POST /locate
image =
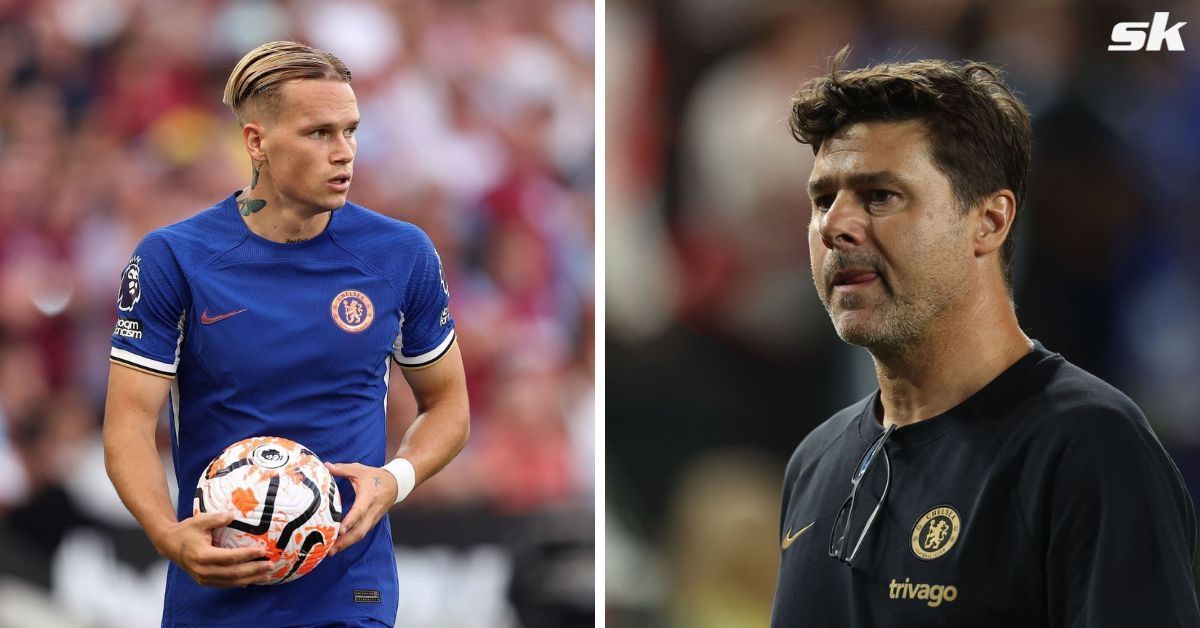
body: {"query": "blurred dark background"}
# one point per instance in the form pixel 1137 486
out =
pixel 719 356
pixel 478 125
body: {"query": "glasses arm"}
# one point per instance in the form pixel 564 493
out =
pixel 887 464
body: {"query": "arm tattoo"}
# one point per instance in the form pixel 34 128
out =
pixel 377 484
pixel 249 206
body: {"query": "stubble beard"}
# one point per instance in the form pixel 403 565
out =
pixel 893 322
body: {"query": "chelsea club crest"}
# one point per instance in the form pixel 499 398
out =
pixel 352 311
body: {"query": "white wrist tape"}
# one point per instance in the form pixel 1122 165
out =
pixel 406 477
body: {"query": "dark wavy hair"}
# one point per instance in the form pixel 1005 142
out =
pixel 978 129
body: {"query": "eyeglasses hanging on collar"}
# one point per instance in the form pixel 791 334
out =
pixel 839 539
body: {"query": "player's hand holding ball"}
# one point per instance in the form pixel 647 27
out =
pixel 375 491
pixel 189 543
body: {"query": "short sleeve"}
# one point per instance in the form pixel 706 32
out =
pixel 426 327
pixel 1122 533
pixel 151 306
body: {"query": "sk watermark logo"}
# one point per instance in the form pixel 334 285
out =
pixel 1131 36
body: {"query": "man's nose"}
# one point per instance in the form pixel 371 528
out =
pixel 343 152
pixel 844 224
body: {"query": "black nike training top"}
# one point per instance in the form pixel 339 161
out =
pixel 1045 499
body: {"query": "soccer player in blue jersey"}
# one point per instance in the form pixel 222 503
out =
pixel 278 311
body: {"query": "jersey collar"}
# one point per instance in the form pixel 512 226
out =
pixel 992 401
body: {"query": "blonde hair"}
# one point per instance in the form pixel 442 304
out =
pixel 253 86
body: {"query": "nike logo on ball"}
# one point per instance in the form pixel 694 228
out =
pixel 209 320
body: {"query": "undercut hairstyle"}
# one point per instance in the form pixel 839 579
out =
pixel 977 127
pixel 253 86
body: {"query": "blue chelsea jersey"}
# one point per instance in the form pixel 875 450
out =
pixel 293 340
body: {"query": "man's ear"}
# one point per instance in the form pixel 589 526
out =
pixel 996 213
pixel 252 137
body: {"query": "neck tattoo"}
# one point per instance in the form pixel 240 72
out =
pixel 294 240
pixel 247 206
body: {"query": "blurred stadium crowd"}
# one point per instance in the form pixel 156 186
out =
pixel 477 126
pixel 719 356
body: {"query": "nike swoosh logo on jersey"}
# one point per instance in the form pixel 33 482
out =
pixel 789 538
pixel 209 320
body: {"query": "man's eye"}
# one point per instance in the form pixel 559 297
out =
pixel 318 134
pixel 823 203
pixel 350 131
pixel 879 197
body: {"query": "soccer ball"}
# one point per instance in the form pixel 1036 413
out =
pixel 284 498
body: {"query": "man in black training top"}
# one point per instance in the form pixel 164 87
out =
pixel 988 482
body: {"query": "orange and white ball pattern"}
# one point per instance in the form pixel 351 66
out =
pixel 284 499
